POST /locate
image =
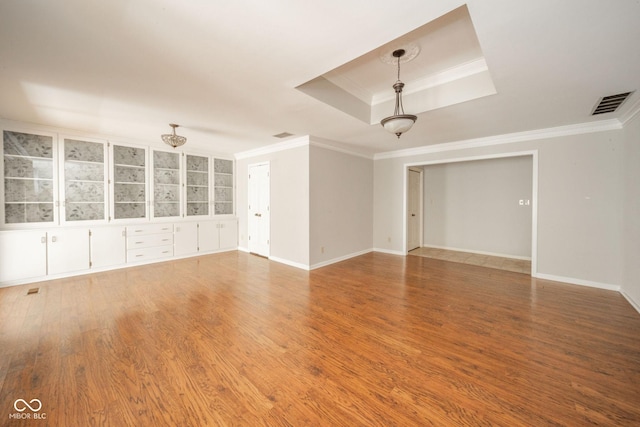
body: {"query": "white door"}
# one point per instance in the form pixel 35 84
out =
pixel 259 215
pixel 414 212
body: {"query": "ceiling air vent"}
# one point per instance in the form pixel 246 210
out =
pixel 609 104
pixel 283 135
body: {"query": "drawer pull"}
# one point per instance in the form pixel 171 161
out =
pixel 139 243
pixel 165 228
pixel 165 240
pixel 165 252
pixel 138 231
pixel 139 255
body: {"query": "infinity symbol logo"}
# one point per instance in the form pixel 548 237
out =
pixel 27 405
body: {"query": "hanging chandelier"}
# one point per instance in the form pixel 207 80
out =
pixel 400 122
pixel 173 139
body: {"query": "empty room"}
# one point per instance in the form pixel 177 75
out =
pixel 319 214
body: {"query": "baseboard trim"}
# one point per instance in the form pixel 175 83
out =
pixel 389 251
pixel 631 301
pixel 339 259
pixel 447 248
pixel 574 281
pixel 290 263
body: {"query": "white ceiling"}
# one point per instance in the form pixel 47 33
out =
pixel 227 72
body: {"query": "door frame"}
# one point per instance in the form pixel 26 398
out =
pixel 420 207
pixel 534 194
pixel 249 217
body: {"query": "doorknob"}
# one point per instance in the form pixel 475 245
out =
pixel 257 214
pixel 413 214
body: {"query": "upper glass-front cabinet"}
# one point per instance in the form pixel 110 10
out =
pixel 223 186
pixel 166 184
pixel 130 187
pixel 84 193
pixel 29 173
pixel 51 179
pixel 197 193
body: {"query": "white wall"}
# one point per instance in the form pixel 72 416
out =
pixel 474 206
pixel 289 203
pixel 341 205
pixel 579 211
pixel 631 197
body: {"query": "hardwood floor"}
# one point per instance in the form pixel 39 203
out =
pixel 378 340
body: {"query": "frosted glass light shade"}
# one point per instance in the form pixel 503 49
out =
pixel 399 124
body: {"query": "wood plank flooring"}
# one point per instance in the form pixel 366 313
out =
pixel 378 340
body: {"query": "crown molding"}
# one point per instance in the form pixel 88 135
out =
pixel 274 148
pixel 532 135
pixel 632 113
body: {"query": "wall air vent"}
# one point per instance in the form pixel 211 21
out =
pixel 283 135
pixel 609 104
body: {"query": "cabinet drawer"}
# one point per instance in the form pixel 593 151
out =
pixel 149 240
pixel 144 254
pixel 143 230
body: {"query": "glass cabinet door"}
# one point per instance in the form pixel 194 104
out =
pixel 197 185
pixel 29 184
pixel 129 182
pixel 166 184
pixel 84 184
pixel 223 186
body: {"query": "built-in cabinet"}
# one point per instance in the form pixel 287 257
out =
pixel 149 241
pixel 223 186
pixel 72 204
pixel 166 184
pixel 51 179
pixel 84 181
pixel 205 236
pixel 37 253
pixel 129 197
pixel 29 172
pixel 197 177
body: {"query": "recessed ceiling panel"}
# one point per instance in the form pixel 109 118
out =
pixel 444 65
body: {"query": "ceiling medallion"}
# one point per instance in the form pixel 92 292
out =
pixel 399 122
pixel 173 139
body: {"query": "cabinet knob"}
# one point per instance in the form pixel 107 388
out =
pixel 54 239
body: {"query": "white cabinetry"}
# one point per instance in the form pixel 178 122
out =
pixel 23 254
pixel 29 178
pixel 148 242
pixel 37 253
pixel 130 184
pixel 108 246
pixel 185 238
pixel 166 184
pixel 214 235
pixel 67 250
pixel 83 182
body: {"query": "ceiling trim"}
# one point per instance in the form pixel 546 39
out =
pixel 631 113
pixel 510 138
pixel 300 141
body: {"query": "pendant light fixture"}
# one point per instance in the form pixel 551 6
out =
pixel 173 139
pixel 400 122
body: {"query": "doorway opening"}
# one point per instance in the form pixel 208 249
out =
pixel 477 210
